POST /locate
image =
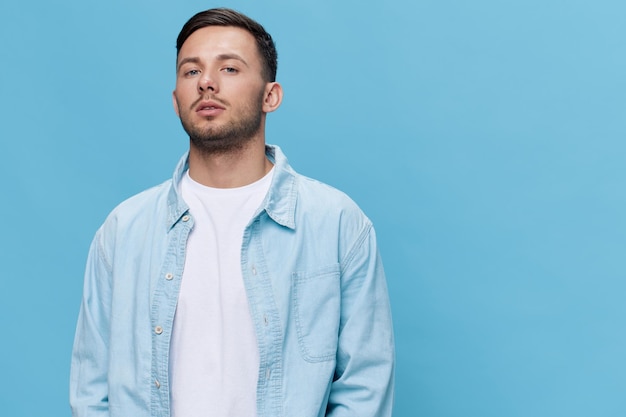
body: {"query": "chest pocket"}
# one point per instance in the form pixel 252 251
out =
pixel 317 306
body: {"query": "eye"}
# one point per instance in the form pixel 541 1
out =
pixel 230 70
pixel 192 73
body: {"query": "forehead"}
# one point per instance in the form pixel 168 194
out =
pixel 212 41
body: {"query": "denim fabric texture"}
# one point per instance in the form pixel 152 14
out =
pixel 315 285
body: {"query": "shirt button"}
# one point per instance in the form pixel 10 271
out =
pixel 169 276
pixel 265 319
pixel 158 329
pixel 186 218
pixel 267 373
pixel 157 383
pixel 253 270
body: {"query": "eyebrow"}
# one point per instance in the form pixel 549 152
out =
pixel 220 57
pixel 225 57
pixel 193 60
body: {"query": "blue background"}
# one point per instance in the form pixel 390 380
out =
pixel 485 139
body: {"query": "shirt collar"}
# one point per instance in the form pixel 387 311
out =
pixel 176 206
pixel 280 202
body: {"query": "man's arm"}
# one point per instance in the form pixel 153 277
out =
pixel 88 374
pixel 363 384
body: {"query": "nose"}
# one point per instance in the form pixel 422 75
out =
pixel 206 83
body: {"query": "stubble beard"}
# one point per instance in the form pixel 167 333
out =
pixel 229 138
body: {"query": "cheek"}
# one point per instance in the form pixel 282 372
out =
pixel 175 104
pixel 182 100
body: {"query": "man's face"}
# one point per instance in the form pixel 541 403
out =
pixel 219 88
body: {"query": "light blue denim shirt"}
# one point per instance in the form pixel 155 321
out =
pixel 317 295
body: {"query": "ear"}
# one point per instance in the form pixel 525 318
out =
pixel 273 97
pixel 175 103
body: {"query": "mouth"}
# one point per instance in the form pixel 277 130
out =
pixel 208 106
pixel 209 109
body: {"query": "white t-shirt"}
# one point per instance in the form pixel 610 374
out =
pixel 214 359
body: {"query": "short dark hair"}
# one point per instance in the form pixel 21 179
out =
pixel 228 17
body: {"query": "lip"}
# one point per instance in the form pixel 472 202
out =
pixel 209 108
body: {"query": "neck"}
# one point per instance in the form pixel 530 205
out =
pixel 240 167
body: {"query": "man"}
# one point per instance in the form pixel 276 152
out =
pixel 238 287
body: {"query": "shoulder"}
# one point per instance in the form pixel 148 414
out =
pixel 139 211
pixel 327 204
pixel 311 190
pixel 311 198
pixel 142 203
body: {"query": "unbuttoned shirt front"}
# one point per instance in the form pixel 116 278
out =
pixel 316 291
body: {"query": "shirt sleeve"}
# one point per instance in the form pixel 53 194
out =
pixel 88 373
pixel 364 378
